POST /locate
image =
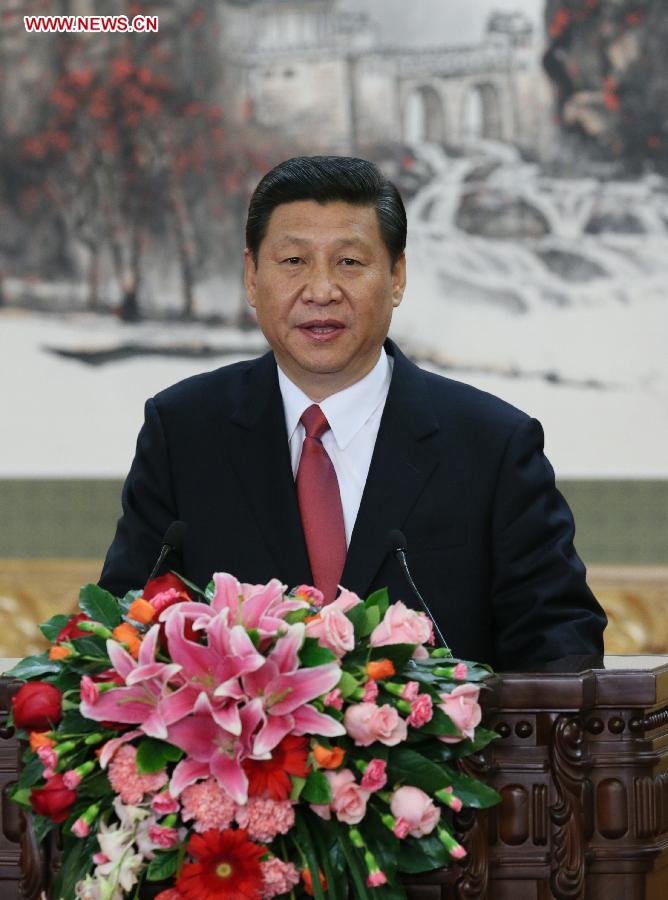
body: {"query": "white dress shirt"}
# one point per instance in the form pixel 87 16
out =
pixel 354 418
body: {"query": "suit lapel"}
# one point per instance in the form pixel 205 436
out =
pixel 402 461
pixel 260 454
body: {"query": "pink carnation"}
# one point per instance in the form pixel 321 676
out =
pixel 165 599
pixel 422 711
pixel 48 757
pixel 163 836
pixel 163 804
pixel 279 877
pixel 410 691
pixel 90 692
pixel 334 698
pixel 370 691
pixel 375 776
pixel 376 879
pixel 81 828
pixel 71 779
pixel 264 818
pixel 127 782
pixel 209 805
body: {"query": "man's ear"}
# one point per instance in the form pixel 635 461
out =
pixel 250 276
pixel 398 280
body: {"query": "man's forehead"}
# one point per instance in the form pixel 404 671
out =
pixel 307 221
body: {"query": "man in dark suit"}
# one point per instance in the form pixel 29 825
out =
pixel 460 472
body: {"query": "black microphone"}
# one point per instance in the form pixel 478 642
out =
pixel 397 541
pixel 173 540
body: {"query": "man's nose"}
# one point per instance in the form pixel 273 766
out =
pixel 321 286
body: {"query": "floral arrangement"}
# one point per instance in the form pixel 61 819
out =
pixel 245 742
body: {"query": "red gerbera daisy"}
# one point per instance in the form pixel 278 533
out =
pixel 272 776
pixel 228 865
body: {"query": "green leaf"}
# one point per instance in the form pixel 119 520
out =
pixel 358 616
pixel 100 605
pixel 423 855
pixel 379 599
pixel 305 845
pixel 326 842
pixel 74 723
pixel 163 865
pixel 441 725
pixel 312 654
pixel 92 645
pixel 41 826
pixel 153 755
pixel 34 666
pixel 54 626
pixel 77 862
pixel 31 773
pixel 317 789
pixel 471 791
pixel 482 738
pixel 371 620
pixel 348 684
pixel 357 870
pixel 409 767
pixel 20 796
pixel 297 787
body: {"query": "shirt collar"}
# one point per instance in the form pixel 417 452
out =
pixel 347 410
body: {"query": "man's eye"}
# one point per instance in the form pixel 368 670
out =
pixel 349 261
pixel 293 260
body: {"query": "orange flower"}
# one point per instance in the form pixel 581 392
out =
pixel 59 652
pixel 308 881
pixel 327 758
pixel 381 668
pixel 129 635
pixel 40 739
pixel 311 618
pixel 141 611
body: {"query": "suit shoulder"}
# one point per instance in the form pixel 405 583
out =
pixel 204 389
pixel 471 404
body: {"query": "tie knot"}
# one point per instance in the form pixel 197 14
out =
pixel 315 422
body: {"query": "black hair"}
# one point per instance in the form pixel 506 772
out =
pixel 327 179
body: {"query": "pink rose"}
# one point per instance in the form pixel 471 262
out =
pixel 366 723
pixel 345 601
pixel 401 625
pixel 463 708
pixel 375 777
pixel 415 808
pixel 333 629
pixel 421 711
pixel 348 798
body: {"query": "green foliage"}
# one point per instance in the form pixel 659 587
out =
pixel 100 605
pixel 348 684
pixel 305 846
pixel 312 654
pixel 153 755
pixel 31 773
pixel 163 865
pixel 471 791
pixel 422 855
pixel 407 766
pixel 400 654
pixel 379 599
pixel 77 862
pixel 54 626
pixel 316 789
pixel 34 667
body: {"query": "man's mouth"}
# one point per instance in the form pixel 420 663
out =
pixel 322 329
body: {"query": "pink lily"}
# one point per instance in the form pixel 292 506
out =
pixel 285 690
pixel 210 750
pixel 147 699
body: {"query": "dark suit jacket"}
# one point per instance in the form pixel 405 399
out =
pixel 459 471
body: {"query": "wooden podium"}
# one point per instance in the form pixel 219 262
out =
pixel 582 768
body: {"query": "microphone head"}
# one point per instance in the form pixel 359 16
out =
pixel 397 540
pixel 175 534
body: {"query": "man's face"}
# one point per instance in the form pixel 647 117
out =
pixel 324 290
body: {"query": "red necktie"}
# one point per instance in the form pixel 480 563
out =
pixel 320 506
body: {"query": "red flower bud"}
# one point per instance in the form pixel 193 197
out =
pixel 164 583
pixel 70 631
pixel 37 706
pixel 53 800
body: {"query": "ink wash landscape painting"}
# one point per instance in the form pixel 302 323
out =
pixel 529 140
